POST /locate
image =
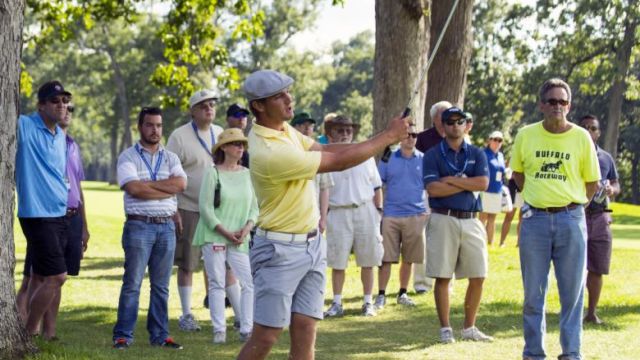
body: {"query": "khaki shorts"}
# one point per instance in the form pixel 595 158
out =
pixel 491 202
pixel 187 256
pixel 456 246
pixel 357 229
pixel 403 235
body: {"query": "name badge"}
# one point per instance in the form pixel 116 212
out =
pixel 217 248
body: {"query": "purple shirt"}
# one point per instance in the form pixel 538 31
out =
pixel 75 174
pixel 428 139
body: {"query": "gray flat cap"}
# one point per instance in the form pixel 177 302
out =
pixel 264 83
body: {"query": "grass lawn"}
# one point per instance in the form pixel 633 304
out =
pixel 89 303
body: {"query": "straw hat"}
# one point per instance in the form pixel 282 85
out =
pixel 229 136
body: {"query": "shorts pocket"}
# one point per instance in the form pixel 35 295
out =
pixel 260 254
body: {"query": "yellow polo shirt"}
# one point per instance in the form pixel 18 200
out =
pixel 282 172
pixel 555 166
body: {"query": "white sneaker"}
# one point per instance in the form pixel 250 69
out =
pixel 405 300
pixel 380 302
pixel 474 334
pixel 334 310
pixel 368 310
pixel 446 335
pixel 188 323
pixel 219 337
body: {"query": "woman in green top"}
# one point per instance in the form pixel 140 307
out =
pixel 228 211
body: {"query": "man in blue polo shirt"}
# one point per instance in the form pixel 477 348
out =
pixel 42 190
pixel 454 172
pixel 404 216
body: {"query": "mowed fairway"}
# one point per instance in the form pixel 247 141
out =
pixel 89 305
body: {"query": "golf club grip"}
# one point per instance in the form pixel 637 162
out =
pixel 406 112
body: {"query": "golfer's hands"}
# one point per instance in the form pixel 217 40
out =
pixel 398 127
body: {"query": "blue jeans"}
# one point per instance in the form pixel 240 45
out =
pixel 153 245
pixel 559 237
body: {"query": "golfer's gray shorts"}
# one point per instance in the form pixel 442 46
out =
pixel 288 278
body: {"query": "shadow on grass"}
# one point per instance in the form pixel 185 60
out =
pixel 100 187
pixel 626 219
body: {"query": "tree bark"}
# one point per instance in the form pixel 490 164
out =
pixel 623 57
pixel 635 187
pixel 402 45
pixel 14 342
pixel 113 149
pixel 447 78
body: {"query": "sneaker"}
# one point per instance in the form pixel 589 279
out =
pixel 420 291
pixel 219 337
pixel 120 344
pixel 236 325
pixel 205 302
pixel 334 310
pixel 405 300
pixel 244 337
pixel 446 335
pixel 188 323
pixel 380 302
pixel 474 334
pixel 368 310
pixel 170 344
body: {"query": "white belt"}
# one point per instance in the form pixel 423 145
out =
pixel 287 237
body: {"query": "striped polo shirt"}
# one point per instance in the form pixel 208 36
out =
pixel 132 167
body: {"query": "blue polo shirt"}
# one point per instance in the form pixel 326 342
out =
pixel 403 180
pixel 40 169
pixel 441 161
pixel 496 170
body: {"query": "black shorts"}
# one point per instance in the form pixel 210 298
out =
pixel 46 242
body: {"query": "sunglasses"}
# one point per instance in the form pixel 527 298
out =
pixel 70 109
pixel 496 140
pixel 413 135
pixel 554 102
pixel 592 128
pixel 207 104
pixel 456 122
pixel 237 143
pixel 345 131
pixel 57 100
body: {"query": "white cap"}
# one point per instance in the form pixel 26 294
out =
pixel 496 135
pixel 202 95
pixel 264 83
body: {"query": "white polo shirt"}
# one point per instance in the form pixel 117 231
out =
pixel 355 186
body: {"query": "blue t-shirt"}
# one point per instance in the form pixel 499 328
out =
pixel 403 180
pixel 441 161
pixel 496 170
pixel 40 169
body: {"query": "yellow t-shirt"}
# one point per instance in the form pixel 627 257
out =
pixel 282 170
pixel 555 166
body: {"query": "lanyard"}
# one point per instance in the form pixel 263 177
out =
pixel 204 145
pixel 154 173
pixel 452 166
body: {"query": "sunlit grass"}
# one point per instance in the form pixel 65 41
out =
pixel 89 305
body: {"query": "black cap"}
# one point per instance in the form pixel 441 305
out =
pixel 447 114
pixel 51 89
pixel 236 110
pixel 301 118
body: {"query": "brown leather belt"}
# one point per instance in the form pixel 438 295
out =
pixel 557 209
pixel 149 219
pixel 455 213
pixel 72 211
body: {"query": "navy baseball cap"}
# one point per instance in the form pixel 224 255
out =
pixel 237 111
pixel 450 112
pixel 51 89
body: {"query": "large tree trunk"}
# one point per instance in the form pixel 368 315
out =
pixel 635 186
pixel 623 56
pixel 402 44
pixel 448 73
pixel 113 136
pixel 14 342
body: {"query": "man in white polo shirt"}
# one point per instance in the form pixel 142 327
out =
pixel 355 212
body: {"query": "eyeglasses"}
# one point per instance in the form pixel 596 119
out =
pixel 207 104
pixel 554 102
pixel 413 135
pixel 345 131
pixel 592 128
pixel 237 143
pixel 456 122
pixel 498 140
pixel 57 100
